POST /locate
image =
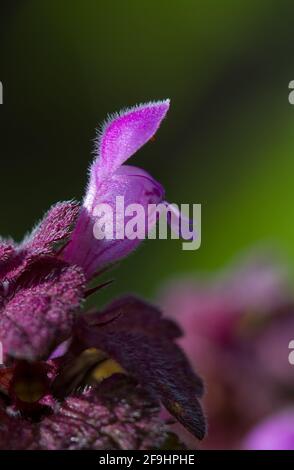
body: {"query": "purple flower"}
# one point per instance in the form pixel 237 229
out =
pixel 274 433
pixel 237 329
pixel 94 380
pixel 122 135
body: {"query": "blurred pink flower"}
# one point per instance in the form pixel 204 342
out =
pixel 237 330
pixel 274 433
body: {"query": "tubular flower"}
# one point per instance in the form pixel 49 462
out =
pixel 122 135
pixel 92 380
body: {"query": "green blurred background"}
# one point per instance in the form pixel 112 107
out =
pixel 228 142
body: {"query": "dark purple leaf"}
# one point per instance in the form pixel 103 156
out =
pixel 142 342
pixel 55 227
pixel 40 312
pixel 116 415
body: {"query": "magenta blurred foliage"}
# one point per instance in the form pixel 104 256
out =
pixel 237 329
